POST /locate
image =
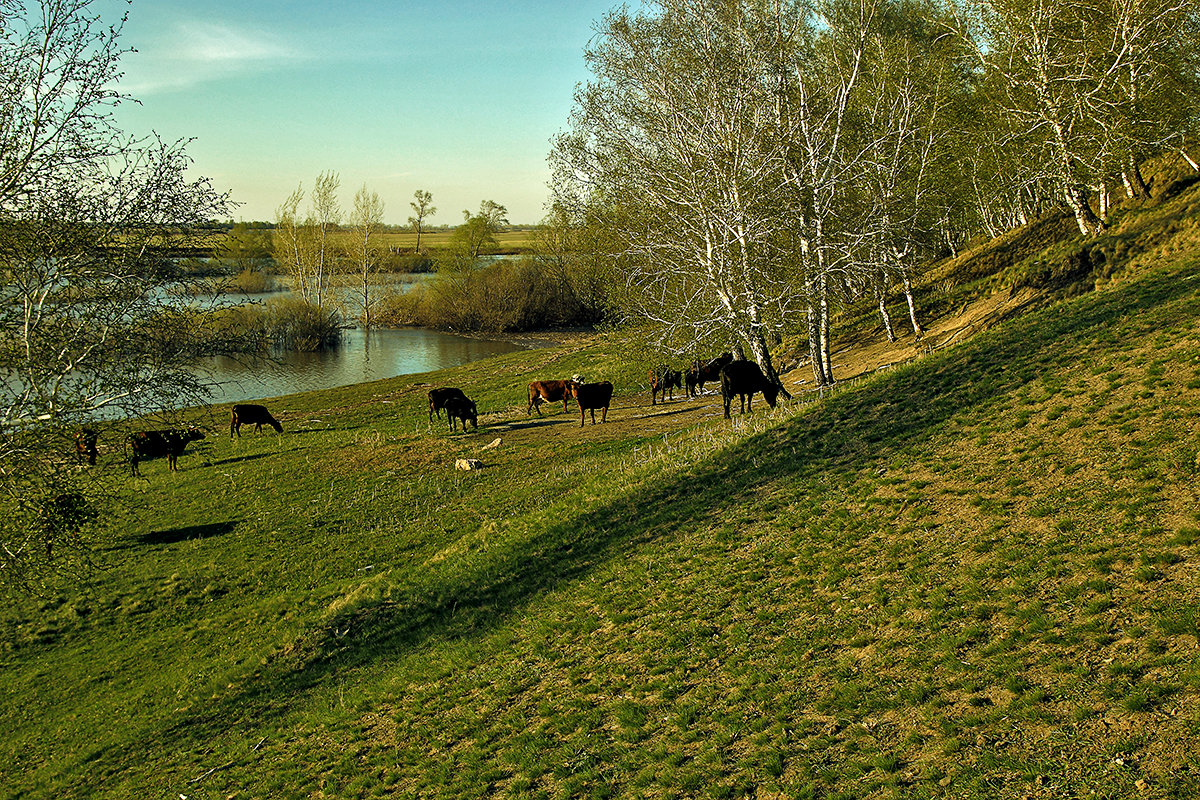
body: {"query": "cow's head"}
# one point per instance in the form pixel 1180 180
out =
pixel 192 433
pixel 770 393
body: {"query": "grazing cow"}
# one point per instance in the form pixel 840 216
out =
pixel 744 378
pixel 548 392
pixel 591 396
pixel 663 380
pixel 250 414
pixel 439 398
pixel 156 444
pixel 85 445
pixel 699 374
pixel 462 409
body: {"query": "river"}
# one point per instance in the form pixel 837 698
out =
pixel 383 353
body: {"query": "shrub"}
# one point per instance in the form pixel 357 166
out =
pixel 400 308
pixel 505 295
pixel 405 262
pixel 252 281
pixel 297 324
pixel 245 328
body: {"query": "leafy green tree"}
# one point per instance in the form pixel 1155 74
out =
pixel 90 324
pixel 574 254
pixel 246 248
pixel 476 234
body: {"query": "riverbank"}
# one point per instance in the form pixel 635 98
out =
pixel 534 340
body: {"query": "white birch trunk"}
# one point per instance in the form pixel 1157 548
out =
pixel 918 331
pixel 881 299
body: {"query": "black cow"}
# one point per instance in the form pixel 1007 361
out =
pixel 699 374
pixel 250 414
pixel 744 378
pixel 438 398
pixel 145 445
pixel 462 409
pixel 85 445
pixel 591 396
pixel 663 380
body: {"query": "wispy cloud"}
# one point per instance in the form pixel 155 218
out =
pixel 191 53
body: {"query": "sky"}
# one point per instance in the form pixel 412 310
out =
pixel 460 99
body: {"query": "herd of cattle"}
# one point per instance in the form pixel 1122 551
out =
pixel 738 378
pixel 170 444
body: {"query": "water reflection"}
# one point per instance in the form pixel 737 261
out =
pixel 384 353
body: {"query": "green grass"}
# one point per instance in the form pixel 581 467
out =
pixel 970 576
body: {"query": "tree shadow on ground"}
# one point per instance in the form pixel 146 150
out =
pixel 239 459
pixel 537 422
pixel 175 535
pixel 859 429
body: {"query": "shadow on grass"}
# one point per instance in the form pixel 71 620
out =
pixel 536 422
pixel 653 413
pixel 175 535
pixel 883 419
pixel 239 459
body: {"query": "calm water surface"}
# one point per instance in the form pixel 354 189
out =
pixel 384 353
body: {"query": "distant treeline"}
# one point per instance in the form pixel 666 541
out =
pixel 225 226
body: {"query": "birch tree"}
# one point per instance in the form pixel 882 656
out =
pixel 820 62
pixel 1152 51
pixel 674 143
pixel 1095 86
pixel 306 245
pixel 291 243
pixel 367 219
pixel 914 83
pixel 1050 86
pixel 325 216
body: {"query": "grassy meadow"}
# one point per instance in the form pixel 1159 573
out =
pixel 509 241
pixel 970 575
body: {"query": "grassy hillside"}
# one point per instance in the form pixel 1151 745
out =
pixel 971 575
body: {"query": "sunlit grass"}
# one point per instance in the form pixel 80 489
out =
pixel 969 576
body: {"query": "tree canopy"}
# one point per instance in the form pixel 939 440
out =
pixel 761 162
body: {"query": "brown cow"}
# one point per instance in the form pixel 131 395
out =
pixel 548 392
pixel 591 396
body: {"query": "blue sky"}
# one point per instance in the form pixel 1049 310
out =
pixel 458 98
